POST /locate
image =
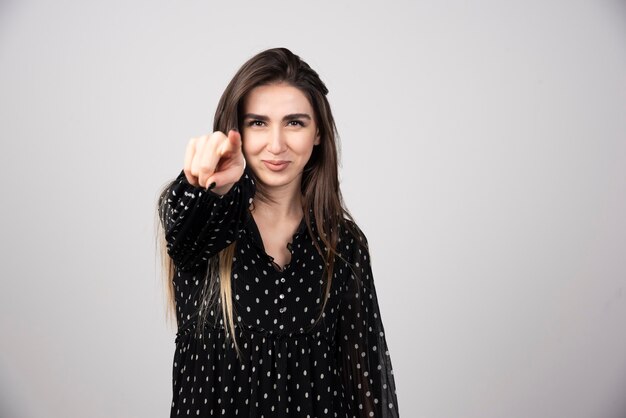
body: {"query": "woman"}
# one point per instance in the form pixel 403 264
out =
pixel 269 275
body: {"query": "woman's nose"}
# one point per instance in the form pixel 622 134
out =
pixel 276 143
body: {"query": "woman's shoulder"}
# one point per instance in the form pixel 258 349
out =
pixel 352 237
pixel 349 228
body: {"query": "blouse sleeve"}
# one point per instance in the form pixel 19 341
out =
pixel 199 223
pixel 364 361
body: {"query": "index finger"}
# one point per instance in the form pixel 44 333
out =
pixel 232 144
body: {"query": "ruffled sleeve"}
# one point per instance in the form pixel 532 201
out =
pixel 199 223
pixel 364 361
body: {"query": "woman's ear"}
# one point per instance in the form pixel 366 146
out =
pixel 317 138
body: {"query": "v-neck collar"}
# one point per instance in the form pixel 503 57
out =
pixel 253 230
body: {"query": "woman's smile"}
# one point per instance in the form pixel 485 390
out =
pixel 276 165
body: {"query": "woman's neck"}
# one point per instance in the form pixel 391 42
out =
pixel 288 204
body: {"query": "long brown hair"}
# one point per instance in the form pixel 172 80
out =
pixel 320 179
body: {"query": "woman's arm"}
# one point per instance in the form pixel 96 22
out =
pixel 198 221
pixel 364 360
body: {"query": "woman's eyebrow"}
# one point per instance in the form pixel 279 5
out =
pixel 286 117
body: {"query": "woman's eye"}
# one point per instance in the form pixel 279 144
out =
pixel 261 123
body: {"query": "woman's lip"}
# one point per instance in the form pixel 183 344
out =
pixel 277 162
pixel 276 166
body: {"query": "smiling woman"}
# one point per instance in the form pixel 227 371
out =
pixel 279 137
pixel 268 274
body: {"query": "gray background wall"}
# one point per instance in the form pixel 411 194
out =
pixel 484 156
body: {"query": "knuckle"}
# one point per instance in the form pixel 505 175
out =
pixel 193 141
pixel 218 136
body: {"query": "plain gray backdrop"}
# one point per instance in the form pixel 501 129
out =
pixel 483 154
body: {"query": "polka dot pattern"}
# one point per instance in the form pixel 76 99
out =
pixel 290 365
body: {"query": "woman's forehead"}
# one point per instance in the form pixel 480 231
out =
pixel 276 100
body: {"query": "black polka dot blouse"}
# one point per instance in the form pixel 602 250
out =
pixel 290 364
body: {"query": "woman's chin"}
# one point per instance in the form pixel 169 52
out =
pixel 276 179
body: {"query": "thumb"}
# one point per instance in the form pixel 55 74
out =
pixel 222 178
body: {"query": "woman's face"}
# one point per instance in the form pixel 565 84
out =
pixel 279 133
